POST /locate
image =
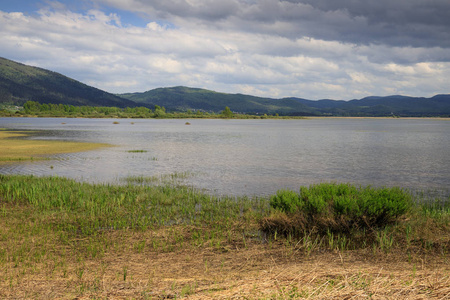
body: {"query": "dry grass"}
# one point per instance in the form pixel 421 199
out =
pixel 14 148
pixel 251 270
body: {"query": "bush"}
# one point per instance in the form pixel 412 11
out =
pixel 340 207
pixel 286 201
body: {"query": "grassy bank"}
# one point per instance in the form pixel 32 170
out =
pixel 13 147
pixel 64 239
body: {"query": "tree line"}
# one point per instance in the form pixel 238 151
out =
pixel 34 108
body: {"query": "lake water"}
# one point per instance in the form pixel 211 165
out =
pixel 250 157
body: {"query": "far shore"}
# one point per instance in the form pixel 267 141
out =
pixel 400 118
pixel 236 117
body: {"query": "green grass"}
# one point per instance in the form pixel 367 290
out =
pixel 327 215
pixel 87 209
pixel 81 215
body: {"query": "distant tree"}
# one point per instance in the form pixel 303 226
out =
pixel 159 111
pixel 227 113
pixel 31 106
pixel 45 107
pixel 143 111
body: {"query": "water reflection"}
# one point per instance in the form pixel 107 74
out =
pixel 238 157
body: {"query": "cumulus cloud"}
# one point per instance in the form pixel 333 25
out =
pixel 340 49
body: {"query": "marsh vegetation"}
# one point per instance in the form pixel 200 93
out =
pixel 13 147
pixel 153 241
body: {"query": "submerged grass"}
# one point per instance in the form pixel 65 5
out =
pixel 99 240
pixel 173 179
pixel 14 148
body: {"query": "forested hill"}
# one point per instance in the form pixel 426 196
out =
pixel 183 98
pixel 20 83
pixel 438 105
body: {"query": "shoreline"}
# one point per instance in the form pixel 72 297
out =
pixel 399 118
pixel 236 117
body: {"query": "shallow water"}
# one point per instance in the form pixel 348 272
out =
pixel 250 157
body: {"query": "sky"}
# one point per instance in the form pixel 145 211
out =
pixel 313 49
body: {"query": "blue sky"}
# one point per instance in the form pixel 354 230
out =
pixel 315 49
pixel 30 7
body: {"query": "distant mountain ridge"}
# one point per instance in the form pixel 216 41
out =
pixel 183 98
pixel 438 105
pixel 20 83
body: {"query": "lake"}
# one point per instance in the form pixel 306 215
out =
pixel 249 157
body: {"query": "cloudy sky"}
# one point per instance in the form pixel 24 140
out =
pixel 315 49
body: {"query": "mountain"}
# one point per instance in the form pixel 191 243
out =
pixel 397 105
pixel 183 98
pixel 20 83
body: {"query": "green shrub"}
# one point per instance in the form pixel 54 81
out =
pixel 341 207
pixel 286 201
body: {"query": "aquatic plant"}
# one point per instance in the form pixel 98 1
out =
pixel 14 148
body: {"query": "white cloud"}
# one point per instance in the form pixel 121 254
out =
pixel 266 48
